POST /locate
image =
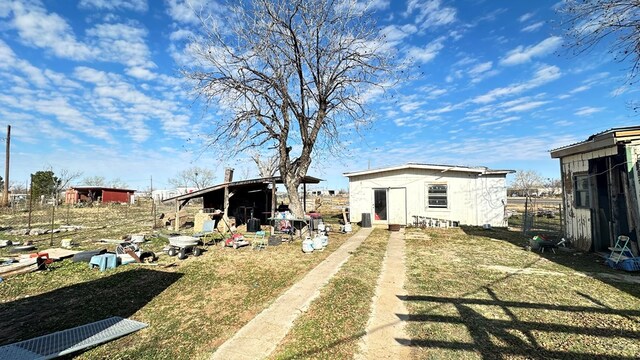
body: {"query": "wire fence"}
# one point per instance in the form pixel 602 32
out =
pixel 47 215
pixel 538 217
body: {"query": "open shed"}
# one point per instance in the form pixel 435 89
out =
pixel 600 187
pixel 456 194
pixel 78 194
pixel 240 199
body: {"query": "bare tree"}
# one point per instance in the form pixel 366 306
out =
pixel 193 177
pixel 552 186
pixel 94 181
pixel 67 177
pixel 292 74
pixel 590 22
pixel 118 183
pixel 267 166
pixel 527 181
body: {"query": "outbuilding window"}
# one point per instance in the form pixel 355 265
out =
pixel 581 191
pixel 437 196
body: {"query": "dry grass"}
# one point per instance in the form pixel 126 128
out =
pixel 191 308
pixel 478 294
pixel 336 320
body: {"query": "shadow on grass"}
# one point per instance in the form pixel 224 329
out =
pixel 121 294
pixel 584 262
pixel 485 331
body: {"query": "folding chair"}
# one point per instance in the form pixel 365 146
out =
pixel 208 229
pixel 621 250
pixel 259 241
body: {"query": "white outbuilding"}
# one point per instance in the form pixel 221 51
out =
pixel 453 195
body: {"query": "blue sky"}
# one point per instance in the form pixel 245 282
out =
pixel 94 86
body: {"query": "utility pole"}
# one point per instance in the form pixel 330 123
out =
pixel 5 194
pixel 30 200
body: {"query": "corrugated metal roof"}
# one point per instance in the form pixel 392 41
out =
pixel 599 140
pixel 89 187
pixel 241 183
pixel 443 168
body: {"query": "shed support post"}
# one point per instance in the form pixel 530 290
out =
pixel 273 204
pixel 304 197
pixel 225 213
pixel 633 196
pixel 176 225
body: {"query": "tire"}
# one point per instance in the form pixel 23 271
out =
pixel 182 254
pixel 172 251
pixel 197 251
pixel 147 257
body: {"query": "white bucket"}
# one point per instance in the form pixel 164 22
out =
pixel 307 245
pixel 347 227
pixel 317 243
pixel 324 239
pixel 66 243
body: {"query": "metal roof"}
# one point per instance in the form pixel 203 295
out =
pixel 442 168
pixel 241 183
pixel 89 187
pixel 604 139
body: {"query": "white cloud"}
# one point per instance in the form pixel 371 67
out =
pixel 542 76
pixel 135 5
pixel 533 27
pixel 186 11
pixel 587 110
pixel 580 89
pixel 427 53
pixel 480 68
pixel 526 106
pixel 38 28
pixel 140 73
pixel 526 17
pixel 430 13
pixel 521 55
pixel 395 34
pixel 121 43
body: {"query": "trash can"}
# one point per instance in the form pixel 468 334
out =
pixel 366 220
pixel 253 225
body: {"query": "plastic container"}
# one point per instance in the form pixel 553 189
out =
pixel 325 240
pixel 307 245
pixel 632 264
pixel 317 243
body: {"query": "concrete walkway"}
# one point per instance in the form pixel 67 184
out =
pixel 384 327
pixel 260 336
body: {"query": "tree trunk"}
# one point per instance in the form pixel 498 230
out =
pixel 292 183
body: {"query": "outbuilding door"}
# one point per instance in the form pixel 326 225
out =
pixel 398 206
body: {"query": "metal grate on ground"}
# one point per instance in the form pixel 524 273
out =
pixel 71 340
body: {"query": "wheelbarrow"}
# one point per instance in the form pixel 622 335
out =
pixel 183 244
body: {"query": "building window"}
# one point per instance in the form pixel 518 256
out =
pixel 581 188
pixel 437 196
pixel 380 204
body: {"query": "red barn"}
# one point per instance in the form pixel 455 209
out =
pixel 78 194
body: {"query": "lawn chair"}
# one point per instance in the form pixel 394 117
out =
pixel 259 241
pixel 208 230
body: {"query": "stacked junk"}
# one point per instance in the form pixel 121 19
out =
pixel 320 240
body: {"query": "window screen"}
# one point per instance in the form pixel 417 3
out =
pixel 581 189
pixel 437 196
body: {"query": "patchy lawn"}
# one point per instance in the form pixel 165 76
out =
pixel 477 294
pixel 191 308
pixel 337 319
